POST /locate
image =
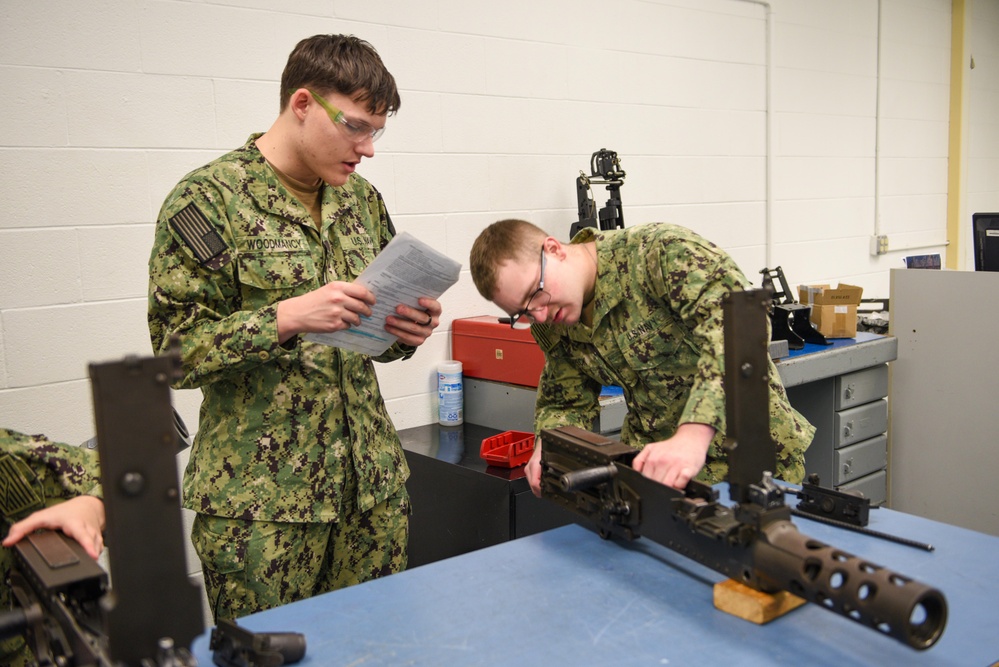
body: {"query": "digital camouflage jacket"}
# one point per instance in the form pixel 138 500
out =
pixel 657 333
pixel 34 474
pixel 281 426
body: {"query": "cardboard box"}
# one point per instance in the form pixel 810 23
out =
pixel 492 350
pixel 834 309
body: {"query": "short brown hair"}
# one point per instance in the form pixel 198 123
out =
pixel 341 64
pixel 505 240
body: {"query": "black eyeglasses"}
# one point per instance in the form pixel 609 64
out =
pixel 539 299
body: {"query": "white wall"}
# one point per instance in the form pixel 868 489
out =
pixel 107 103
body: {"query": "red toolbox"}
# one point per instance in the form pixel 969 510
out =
pixel 491 350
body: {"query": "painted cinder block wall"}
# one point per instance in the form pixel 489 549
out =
pixel 789 133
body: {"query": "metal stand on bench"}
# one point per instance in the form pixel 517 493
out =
pixel 790 321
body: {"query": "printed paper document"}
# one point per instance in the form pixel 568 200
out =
pixel 401 273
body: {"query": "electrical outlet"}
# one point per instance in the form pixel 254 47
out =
pixel 879 245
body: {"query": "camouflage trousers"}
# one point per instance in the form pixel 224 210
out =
pixel 250 566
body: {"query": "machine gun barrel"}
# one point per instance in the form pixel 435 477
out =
pixel 753 543
pixel 891 603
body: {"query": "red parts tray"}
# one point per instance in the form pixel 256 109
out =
pixel 508 449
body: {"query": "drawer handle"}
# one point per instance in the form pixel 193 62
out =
pixel 849 391
pixel 848 429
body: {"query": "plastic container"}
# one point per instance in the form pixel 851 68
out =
pixel 450 394
pixel 508 449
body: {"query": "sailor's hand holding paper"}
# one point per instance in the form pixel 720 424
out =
pixel 335 306
pixel 394 298
pixel 413 326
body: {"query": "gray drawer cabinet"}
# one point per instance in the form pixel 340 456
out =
pixel 855 461
pixel 850 415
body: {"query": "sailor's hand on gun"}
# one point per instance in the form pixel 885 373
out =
pixel 533 469
pixel 81 518
pixel 676 461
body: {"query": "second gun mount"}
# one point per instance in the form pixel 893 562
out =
pixel 605 169
pixel 753 541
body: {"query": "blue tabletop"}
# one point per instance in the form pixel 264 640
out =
pixel 567 597
pixel 834 343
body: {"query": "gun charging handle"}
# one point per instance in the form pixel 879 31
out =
pixel 586 478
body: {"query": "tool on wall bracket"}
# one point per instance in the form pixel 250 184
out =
pixel 789 320
pixel 605 169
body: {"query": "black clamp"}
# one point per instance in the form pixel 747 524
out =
pixel 233 646
pixel 832 504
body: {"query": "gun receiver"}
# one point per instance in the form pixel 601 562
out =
pixel 58 588
pixel 754 541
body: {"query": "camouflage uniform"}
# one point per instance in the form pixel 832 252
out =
pixel 657 333
pixel 293 433
pixel 36 473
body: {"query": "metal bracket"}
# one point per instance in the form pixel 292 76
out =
pixel 790 321
pixel 832 504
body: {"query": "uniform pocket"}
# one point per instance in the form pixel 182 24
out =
pixel 221 547
pixel 266 278
pixel 358 252
pixel 651 349
pixel 220 543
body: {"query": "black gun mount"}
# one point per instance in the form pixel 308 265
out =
pixel 605 169
pixel 153 611
pixel 57 588
pixel 152 614
pixel 790 320
pixel 754 541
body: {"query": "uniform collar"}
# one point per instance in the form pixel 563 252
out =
pixel 263 181
pixel 602 302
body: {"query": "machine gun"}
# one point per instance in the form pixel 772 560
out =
pixel 605 169
pixel 754 541
pixel 153 611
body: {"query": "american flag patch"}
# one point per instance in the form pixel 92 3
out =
pixel 197 232
pixel 16 492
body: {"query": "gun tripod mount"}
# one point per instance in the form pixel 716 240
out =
pixel 605 169
pixel 790 321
